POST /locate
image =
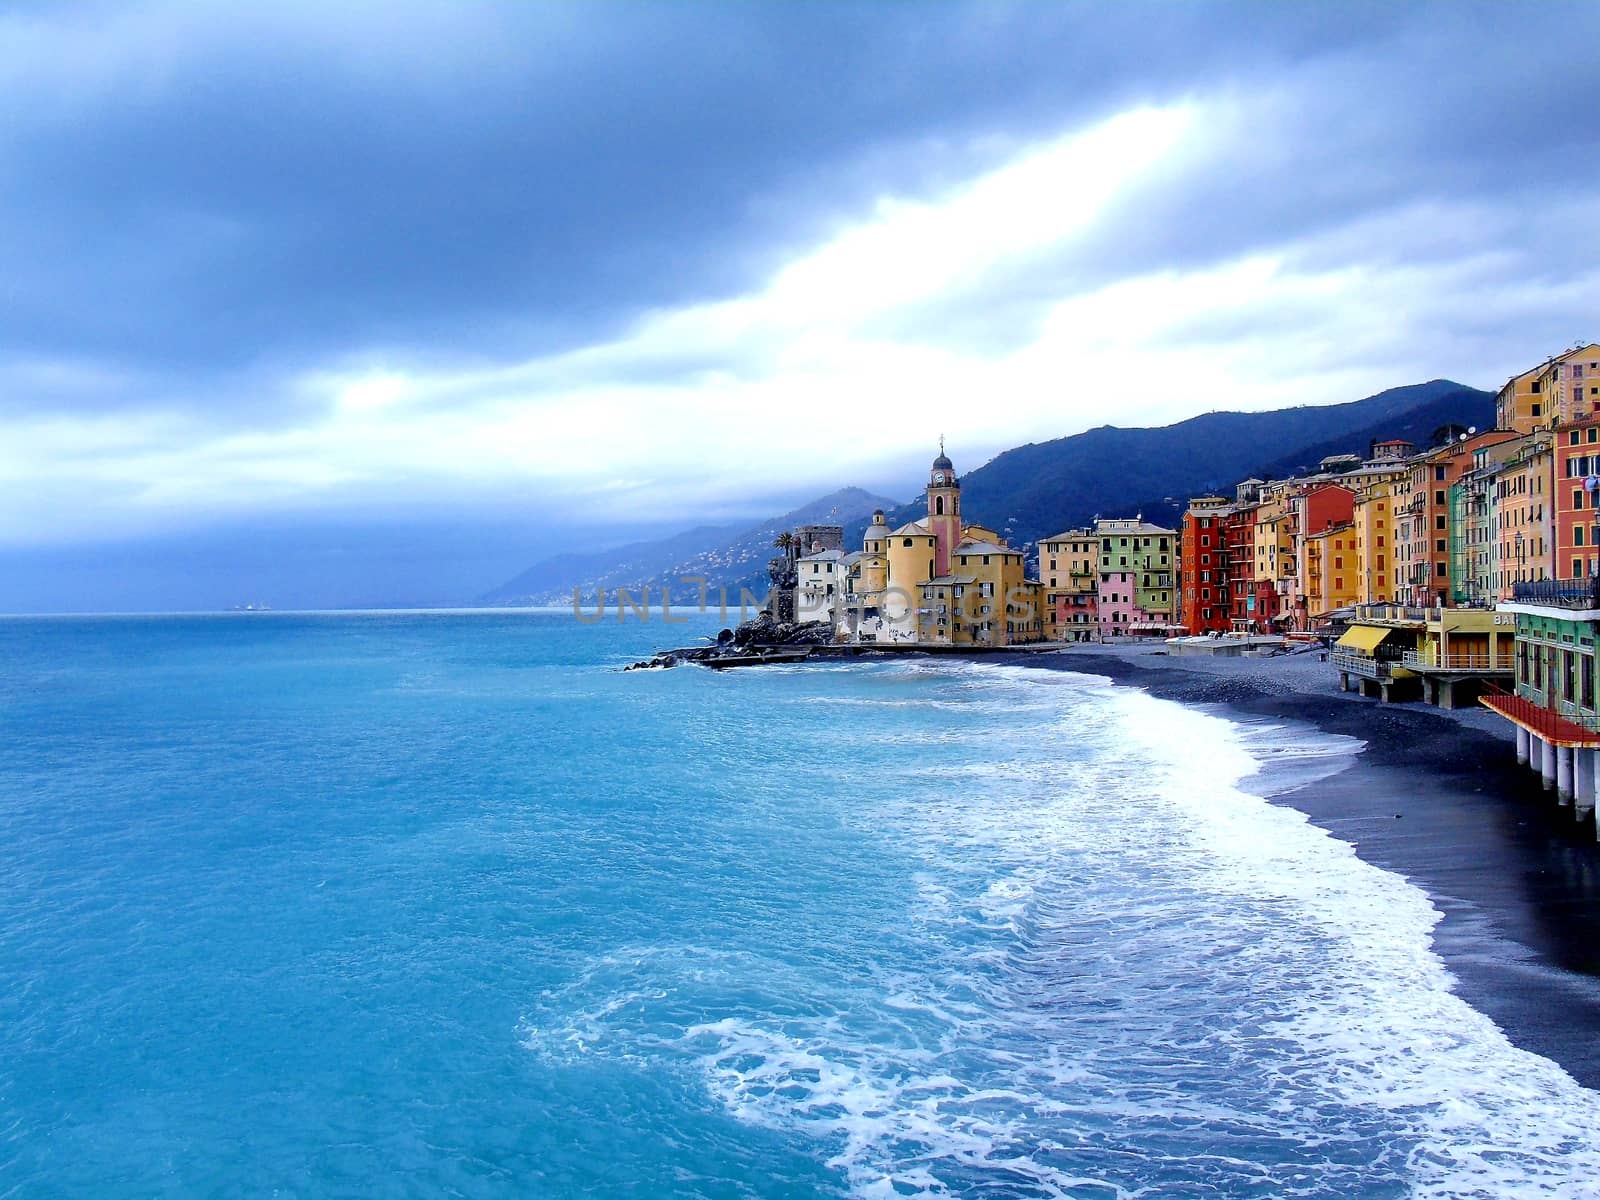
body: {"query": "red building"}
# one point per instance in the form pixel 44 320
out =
pixel 1203 558
pixel 1239 534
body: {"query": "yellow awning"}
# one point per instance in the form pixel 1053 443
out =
pixel 1365 638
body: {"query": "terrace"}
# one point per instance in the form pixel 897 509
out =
pixel 1575 594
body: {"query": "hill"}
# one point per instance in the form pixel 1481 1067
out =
pixel 728 556
pixel 1042 488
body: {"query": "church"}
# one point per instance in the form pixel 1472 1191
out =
pixel 939 580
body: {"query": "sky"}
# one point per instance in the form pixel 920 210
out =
pixel 378 303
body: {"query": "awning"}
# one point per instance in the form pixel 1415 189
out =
pixel 1365 638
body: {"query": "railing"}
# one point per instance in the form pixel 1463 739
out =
pixel 1559 593
pixel 1565 723
pixel 1471 660
pixel 1364 665
pixel 1569 711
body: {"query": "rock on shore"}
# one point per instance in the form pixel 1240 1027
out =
pixel 760 633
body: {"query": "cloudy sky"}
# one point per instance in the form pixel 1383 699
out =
pixel 513 275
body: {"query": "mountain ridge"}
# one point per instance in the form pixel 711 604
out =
pixel 1038 489
pixel 730 556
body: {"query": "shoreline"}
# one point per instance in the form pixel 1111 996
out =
pixel 1438 798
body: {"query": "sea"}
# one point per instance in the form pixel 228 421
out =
pixel 448 904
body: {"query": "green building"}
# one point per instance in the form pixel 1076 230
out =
pixel 1554 707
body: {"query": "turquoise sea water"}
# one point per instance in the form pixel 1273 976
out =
pixel 432 904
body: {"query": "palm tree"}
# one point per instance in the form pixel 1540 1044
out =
pixel 784 540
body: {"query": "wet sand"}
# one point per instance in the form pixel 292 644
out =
pixel 1437 797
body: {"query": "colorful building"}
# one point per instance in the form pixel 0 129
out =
pixel 1274 547
pixel 938 580
pixel 1576 498
pixel 1554 710
pixel 1136 589
pixel 1372 519
pixel 1314 511
pixel 1069 572
pixel 1473 526
pixel 1239 558
pixel 1424 522
pixel 1332 571
pixel 1205 600
pixel 1525 528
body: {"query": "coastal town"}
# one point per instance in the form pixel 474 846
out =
pixel 1463 572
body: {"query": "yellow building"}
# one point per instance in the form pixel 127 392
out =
pixel 1562 389
pixel 1570 384
pixel 945 582
pixel 1273 544
pixel 1519 404
pixel 984 600
pixel 1068 572
pixel 1526 514
pixel 1331 570
pixel 1374 535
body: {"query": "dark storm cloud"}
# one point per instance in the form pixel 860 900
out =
pixel 189 193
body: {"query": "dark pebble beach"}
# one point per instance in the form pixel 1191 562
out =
pixel 1438 798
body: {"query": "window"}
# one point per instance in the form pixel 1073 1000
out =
pixel 1438 473
pixel 907 542
pixel 1536 407
pixel 1438 497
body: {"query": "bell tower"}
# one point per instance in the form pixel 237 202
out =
pixel 944 511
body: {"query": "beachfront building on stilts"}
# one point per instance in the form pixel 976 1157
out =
pixel 1554 709
pixel 1447 657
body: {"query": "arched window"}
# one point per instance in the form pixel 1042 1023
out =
pixel 938 505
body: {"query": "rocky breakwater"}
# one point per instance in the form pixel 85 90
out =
pixel 761 639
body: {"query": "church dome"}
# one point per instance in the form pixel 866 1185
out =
pixel 943 463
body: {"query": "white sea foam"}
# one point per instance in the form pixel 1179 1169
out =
pixel 1381 1025
pixel 1133 977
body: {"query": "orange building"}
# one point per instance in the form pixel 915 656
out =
pixel 1576 500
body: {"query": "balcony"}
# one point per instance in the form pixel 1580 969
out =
pixel 1558 593
pixel 1471 660
pixel 1353 662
